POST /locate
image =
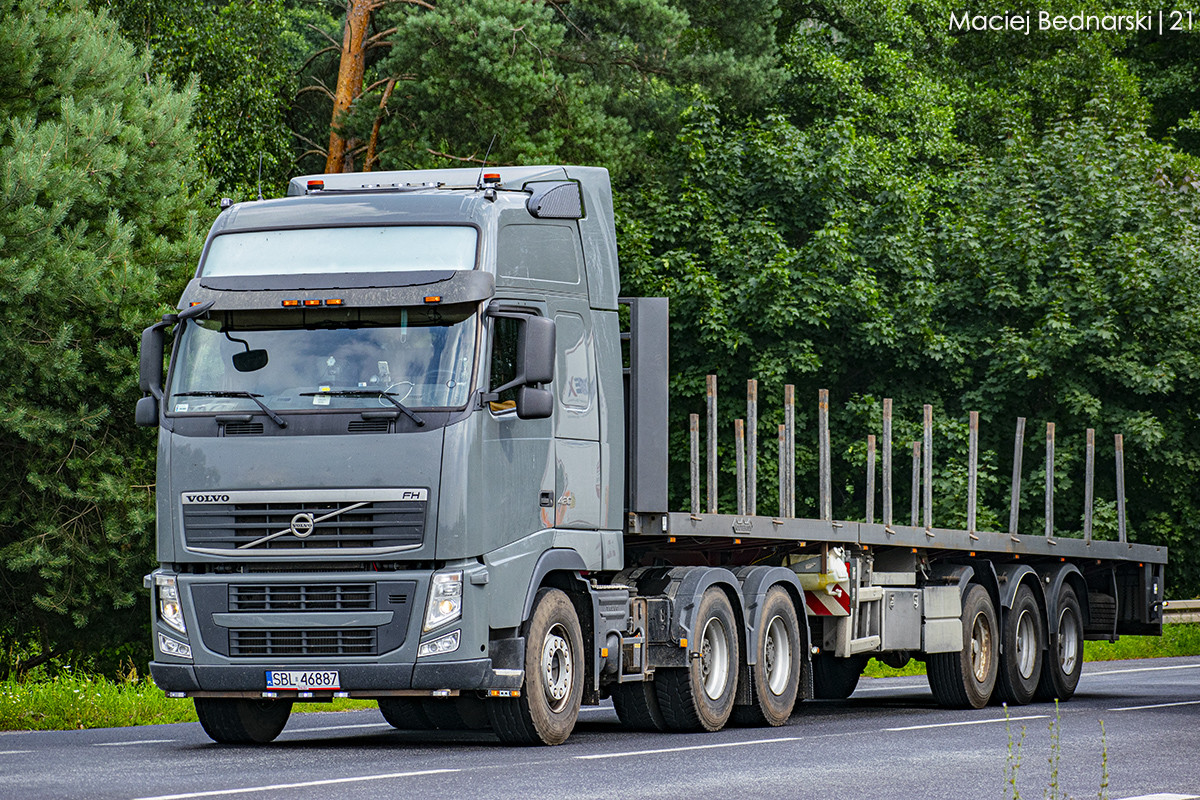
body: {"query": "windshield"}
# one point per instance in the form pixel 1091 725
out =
pixel 398 248
pixel 421 357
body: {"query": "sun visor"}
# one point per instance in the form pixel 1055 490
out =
pixel 349 290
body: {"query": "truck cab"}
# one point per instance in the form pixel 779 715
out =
pixel 389 415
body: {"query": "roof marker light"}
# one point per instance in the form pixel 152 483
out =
pixel 491 178
pixel 333 301
pixel 316 186
pixel 433 298
pixel 290 303
pixel 312 302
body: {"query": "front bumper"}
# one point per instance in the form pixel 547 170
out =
pixel 357 680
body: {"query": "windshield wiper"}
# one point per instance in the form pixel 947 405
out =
pixel 278 420
pixel 389 396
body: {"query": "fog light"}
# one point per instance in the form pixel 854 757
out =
pixel 442 644
pixel 171 647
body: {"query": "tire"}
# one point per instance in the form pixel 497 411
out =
pixel 1064 660
pixel 775 678
pixel 637 706
pixel 236 721
pixel 836 678
pixel 1024 640
pixel 966 679
pixel 700 696
pixel 404 713
pixel 546 711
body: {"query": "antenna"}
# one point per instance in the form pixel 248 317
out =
pixel 483 166
pixel 260 157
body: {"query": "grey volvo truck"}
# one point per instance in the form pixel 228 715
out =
pixel 408 451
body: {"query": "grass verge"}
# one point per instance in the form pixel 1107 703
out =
pixel 73 701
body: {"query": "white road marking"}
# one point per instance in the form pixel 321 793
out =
pixel 893 686
pixel 13 752
pixel 968 722
pixel 303 785
pixel 656 751
pixel 1144 669
pixel 139 741
pixel 339 727
pixel 1165 796
pixel 1157 705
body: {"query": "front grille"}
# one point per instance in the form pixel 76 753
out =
pixel 303 642
pixel 303 597
pixel 336 523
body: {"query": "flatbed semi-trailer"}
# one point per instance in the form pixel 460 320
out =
pixel 403 455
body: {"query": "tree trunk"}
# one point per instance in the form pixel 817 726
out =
pixel 350 76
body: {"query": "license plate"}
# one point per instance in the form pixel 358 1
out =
pixel 303 680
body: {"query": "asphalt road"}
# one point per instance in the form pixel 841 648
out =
pixel 888 741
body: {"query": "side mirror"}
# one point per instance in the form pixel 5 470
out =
pixel 534 403
pixel 150 360
pixel 535 350
pixel 145 414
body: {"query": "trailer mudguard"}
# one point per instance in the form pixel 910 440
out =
pixel 756 582
pixel 1054 579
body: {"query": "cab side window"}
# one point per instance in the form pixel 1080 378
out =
pixel 504 362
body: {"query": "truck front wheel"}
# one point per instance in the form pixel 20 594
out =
pixel 700 696
pixel 546 711
pixel 236 721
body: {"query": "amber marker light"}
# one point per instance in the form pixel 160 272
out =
pixel 312 302
pixel 433 298
pixel 290 303
pixel 334 301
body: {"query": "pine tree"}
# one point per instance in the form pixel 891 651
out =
pixel 100 218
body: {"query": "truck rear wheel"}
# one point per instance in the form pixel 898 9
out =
pixel 775 678
pixel 700 696
pixel 236 721
pixel 546 711
pixel 1021 660
pixel 1064 662
pixel 968 677
pixel 637 706
pixel 836 678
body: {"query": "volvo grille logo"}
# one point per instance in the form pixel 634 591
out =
pixel 302 525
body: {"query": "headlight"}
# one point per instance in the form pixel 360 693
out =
pixel 169 609
pixel 445 599
pixel 442 644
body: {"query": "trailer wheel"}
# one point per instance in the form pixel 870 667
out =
pixel 404 713
pixel 236 721
pixel 968 677
pixel 637 706
pixel 546 711
pixel 1024 639
pixel 1064 663
pixel 700 696
pixel 836 678
pixel 775 679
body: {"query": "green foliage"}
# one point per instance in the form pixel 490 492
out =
pixel 245 57
pixel 579 82
pixel 99 222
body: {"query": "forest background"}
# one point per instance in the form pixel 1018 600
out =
pixel 841 194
